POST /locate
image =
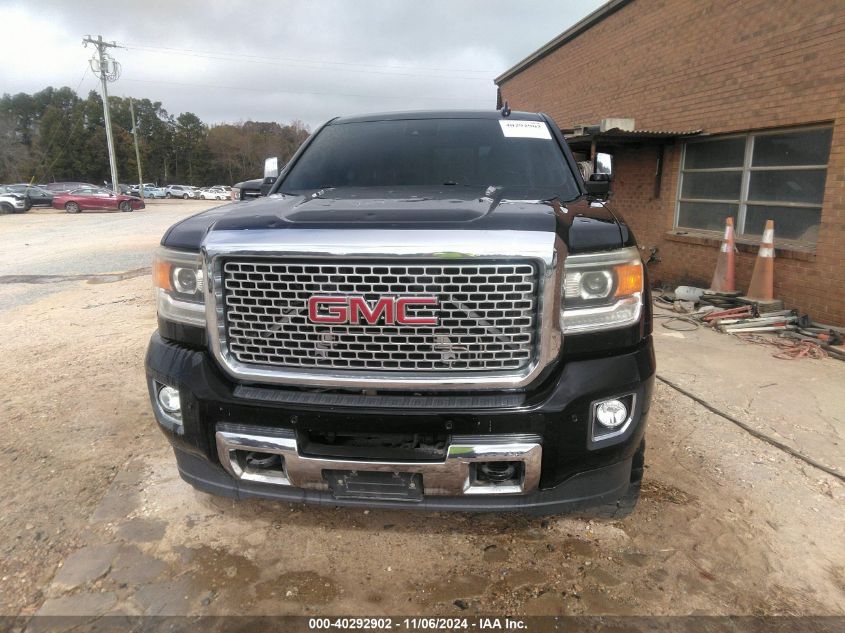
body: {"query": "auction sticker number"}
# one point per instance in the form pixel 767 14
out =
pixel 525 129
pixel 350 623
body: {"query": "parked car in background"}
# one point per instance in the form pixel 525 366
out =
pixel 95 198
pixel 58 187
pixel 151 190
pixel 124 189
pixel 135 190
pixel 252 189
pixel 213 193
pixel 11 202
pixel 39 196
pixel 154 192
pixel 180 191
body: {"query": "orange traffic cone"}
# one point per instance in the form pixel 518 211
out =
pixel 763 277
pixel 723 277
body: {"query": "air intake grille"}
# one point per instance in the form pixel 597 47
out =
pixel 486 316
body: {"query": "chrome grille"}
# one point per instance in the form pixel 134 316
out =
pixel 486 315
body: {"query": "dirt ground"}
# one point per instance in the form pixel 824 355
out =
pixel 94 518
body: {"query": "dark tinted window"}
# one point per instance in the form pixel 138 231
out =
pixel 715 154
pixel 432 152
pixel 805 147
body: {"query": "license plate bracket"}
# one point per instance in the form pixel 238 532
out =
pixel 385 486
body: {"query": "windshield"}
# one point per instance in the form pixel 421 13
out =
pixel 435 152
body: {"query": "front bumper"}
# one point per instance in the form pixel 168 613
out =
pixel 567 470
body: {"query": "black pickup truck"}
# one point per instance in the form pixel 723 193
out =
pixel 428 310
pixel 251 189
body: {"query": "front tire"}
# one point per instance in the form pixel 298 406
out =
pixel 125 206
pixel 623 507
pixel 168 195
pixel 5 208
pixel 72 207
pixel 185 197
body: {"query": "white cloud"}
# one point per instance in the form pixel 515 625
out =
pixel 284 60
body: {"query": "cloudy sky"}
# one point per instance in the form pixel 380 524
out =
pixel 282 60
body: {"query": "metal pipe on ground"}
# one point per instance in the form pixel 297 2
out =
pixel 766 328
pixel 760 321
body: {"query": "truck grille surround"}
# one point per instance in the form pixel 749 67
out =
pixel 486 315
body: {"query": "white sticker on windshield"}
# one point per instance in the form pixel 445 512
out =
pixel 525 129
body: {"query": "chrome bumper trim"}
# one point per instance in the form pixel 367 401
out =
pixel 454 476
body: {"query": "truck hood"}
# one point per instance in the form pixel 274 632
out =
pixel 581 225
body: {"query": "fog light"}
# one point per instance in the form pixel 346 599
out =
pixel 611 413
pixel 497 471
pixel 168 398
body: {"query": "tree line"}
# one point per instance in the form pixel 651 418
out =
pixel 55 135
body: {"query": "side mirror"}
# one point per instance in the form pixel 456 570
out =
pixel 271 167
pixel 604 165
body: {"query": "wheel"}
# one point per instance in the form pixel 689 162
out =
pixel 125 206
pixel 185 196
pixel 621 508
pixel 5 207
pixel 167 195
pixel 72 207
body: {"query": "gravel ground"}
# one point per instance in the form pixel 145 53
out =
pixel 45 243
pixel 96 520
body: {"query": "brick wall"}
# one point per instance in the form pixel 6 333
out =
pixel 724 67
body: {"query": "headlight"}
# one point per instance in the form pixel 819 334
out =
pixel 602 291
pixel 179 283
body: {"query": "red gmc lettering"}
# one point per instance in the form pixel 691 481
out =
pixel 403 302
pixel 358 306
pixel 393 310
pixel 337 308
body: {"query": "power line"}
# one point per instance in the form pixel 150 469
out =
pixel 315 66
pixel 300 92
pixel 288 60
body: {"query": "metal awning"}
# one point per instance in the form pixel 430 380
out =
pixel 592 140
pixel 584 138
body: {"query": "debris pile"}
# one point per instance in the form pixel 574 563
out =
pixel 794 335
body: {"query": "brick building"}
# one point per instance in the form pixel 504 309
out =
pixel 738 109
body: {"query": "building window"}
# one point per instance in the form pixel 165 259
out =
pixel 777 175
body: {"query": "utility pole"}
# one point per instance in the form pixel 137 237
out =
pixel 108 70
pixel 137 152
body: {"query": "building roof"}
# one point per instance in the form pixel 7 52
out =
pixel 569 34
pixel 632 134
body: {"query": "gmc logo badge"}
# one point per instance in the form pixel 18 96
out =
pixel 333 310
